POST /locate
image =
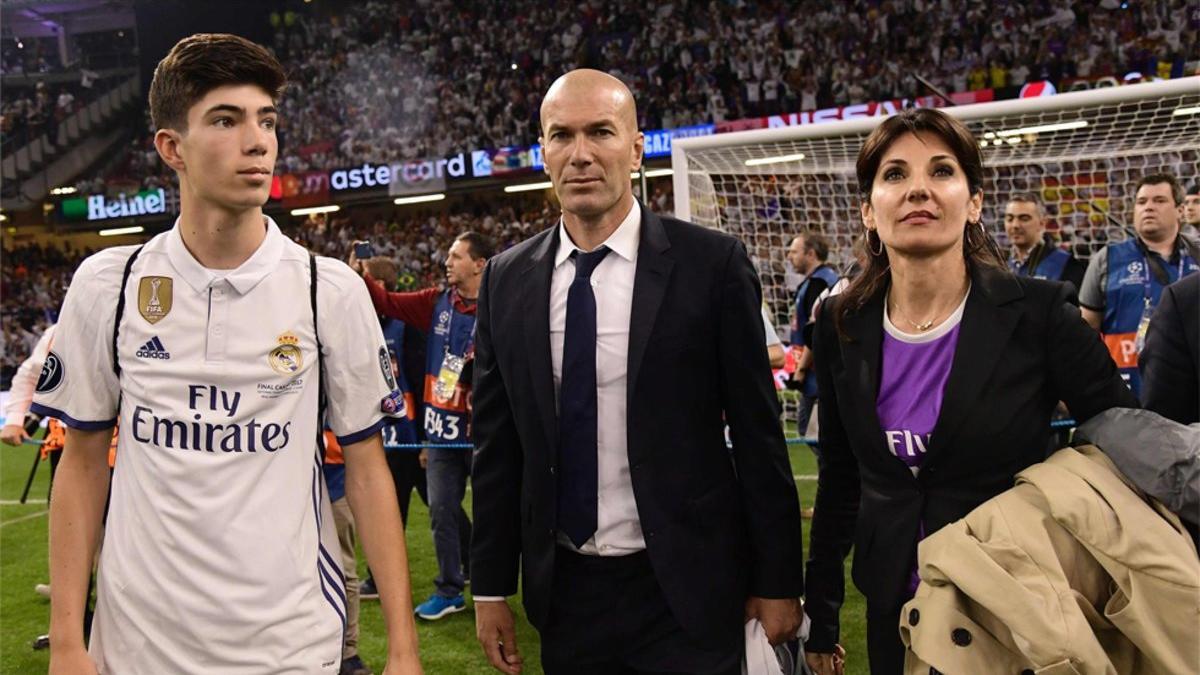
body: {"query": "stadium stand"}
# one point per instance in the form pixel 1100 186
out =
pixel 376 82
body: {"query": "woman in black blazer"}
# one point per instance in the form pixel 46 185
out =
pixel 938 373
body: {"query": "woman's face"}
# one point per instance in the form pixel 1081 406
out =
pixel 920 202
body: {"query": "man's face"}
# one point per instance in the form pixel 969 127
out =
pixel 1023 224
pixel 1155 215
pixel 590 146
pixel 799 256
pixel 229 148
pixel 460 266
pixel 1191 210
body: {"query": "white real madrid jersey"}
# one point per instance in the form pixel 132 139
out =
pixel 213 560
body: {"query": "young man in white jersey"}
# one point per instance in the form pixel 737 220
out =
pixel 212 345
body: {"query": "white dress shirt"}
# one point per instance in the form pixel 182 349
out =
pixel 618 530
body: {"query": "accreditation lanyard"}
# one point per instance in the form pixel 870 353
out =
pixel 1147 308
pixel 452 364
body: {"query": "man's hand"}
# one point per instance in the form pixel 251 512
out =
pixel 354 263
pixel 71 661
pixel 423 458
pixel 496 631
pixel 13 434
pixel 780 619
pixel 827 664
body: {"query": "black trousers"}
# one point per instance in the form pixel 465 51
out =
pixel 407 475
pixel 884 648
pixel 609 616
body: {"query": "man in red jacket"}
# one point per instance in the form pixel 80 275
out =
pixel 447 317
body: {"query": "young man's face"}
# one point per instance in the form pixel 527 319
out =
pixel 229 148
pixel 1191 209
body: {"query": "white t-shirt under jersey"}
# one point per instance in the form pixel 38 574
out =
pixel 213 558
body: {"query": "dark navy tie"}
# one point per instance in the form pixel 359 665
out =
pixel 577 423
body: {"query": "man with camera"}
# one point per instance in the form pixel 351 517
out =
pixel 447 318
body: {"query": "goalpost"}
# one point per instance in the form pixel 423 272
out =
pixel 1081 152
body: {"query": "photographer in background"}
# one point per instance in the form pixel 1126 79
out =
pixel 447 317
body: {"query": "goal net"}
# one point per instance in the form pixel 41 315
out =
pixel 1081 152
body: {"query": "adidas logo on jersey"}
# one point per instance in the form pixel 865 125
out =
pixel 153 349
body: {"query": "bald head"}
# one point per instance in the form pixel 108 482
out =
pixel 591 144
pixel 594 88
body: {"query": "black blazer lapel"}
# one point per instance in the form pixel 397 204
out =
pixel 986 328
pixel 649 287
pixel 860 358
pixel 536 302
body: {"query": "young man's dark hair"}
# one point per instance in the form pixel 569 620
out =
pixel 481 247
pixel 198 64
pixel 1159 179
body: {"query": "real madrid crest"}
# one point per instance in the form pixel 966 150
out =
pixel 286 357
pixel 154 298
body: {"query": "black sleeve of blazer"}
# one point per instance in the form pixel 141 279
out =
pixel 1081 370
pixel 1169 367
pixel 836 508
pixel 497 466
pixel 760 453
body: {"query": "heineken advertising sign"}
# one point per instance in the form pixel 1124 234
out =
pixel 101 207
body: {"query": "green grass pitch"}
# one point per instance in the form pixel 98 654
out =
pixel 448 646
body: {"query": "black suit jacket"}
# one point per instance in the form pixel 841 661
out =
pixel 1170 361
pixel 716 530
pixel 1022 347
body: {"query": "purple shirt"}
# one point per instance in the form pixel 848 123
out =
pixel 912 380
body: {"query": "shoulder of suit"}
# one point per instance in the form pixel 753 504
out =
pixel 520 251
pixel 681 232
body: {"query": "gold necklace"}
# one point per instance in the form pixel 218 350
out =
pixel 921 327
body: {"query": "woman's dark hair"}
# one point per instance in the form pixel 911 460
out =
pixel 978 247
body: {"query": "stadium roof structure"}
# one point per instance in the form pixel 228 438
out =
pixel 49 18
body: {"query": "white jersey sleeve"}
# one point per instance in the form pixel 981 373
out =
pixel 772 336
pixel 77 384
pixel 20 394
pixel 358 373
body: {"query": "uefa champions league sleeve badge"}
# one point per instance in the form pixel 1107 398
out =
pixel 154 298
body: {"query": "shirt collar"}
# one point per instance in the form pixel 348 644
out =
pixel 623 241
pixel 244 278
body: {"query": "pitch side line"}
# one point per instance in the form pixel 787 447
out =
pixel 22 519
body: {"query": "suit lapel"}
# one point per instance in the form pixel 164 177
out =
pixel 536 302
pixel 987 326
pixel 649 286
pixel 861 361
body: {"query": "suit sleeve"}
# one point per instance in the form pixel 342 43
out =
pixel 1081 370
pixel 497 465
pixel 836 510
pixel 760 453
pixel 1168 371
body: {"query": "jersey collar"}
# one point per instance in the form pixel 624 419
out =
pixel 243 279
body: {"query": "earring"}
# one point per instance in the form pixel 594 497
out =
pixel 871 247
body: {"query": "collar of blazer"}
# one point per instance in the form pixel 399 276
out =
pixel 988 321
pixel 649 287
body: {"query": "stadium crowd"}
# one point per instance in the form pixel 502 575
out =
pixel 376 82
pixel 380 84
